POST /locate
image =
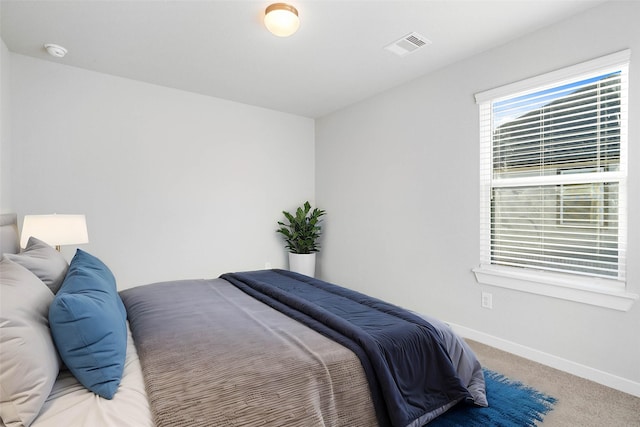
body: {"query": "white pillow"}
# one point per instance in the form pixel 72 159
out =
pixel 29 362
pixel 43 261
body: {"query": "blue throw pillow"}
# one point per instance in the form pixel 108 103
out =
pixel 88 325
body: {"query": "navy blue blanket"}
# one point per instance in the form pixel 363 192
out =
pixel 411 376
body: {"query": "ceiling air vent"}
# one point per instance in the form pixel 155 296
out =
pixel 407 44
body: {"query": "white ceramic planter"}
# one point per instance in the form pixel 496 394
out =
pixel 303 263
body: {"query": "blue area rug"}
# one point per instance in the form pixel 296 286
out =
pixel 511 404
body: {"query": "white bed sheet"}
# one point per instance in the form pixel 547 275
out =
pixel 70 404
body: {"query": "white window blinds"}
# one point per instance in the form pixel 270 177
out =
pixel 553 171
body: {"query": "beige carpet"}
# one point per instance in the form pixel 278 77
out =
pixel 580 402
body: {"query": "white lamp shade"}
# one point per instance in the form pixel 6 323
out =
pixel 281 19
pixel 55 230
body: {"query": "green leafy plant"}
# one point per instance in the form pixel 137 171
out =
pixel 303 230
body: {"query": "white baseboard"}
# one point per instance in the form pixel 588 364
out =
pixel 592 374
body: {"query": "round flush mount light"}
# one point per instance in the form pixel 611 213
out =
pixel 55 50
pixel 281 19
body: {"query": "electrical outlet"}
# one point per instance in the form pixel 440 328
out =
pixel 267 265
pixel 487 300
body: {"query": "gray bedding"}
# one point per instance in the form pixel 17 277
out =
pixel 464 359
pixel 213 356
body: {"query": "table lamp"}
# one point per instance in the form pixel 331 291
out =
pixel 55 230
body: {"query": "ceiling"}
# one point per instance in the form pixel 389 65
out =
pixel 222 49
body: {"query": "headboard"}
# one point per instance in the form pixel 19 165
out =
pixel 9 237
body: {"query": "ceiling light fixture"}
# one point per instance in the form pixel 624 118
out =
pixel 55 50
pixel 281 19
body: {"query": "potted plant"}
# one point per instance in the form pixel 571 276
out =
pixel 301 235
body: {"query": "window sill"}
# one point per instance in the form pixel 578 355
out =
pixel 593 291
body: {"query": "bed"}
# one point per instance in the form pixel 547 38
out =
pixel 269 348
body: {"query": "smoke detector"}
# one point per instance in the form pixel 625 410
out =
pixel 55 50
pixel 408 44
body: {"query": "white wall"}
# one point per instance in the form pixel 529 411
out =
pixel 173 184
pixel 398 175
pixel 6 200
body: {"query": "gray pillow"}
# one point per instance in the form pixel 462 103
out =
pixel 30 362
pixel 43 261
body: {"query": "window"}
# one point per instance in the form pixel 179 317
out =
pixel 553 182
